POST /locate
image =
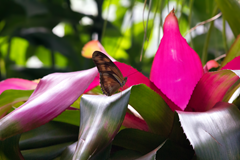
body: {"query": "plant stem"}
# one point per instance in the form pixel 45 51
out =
pixel 205 47
pixel 190 20
pixel 105 21
pixel 224 35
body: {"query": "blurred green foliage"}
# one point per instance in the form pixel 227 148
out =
pixel 26 32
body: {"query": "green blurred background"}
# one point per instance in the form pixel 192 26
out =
pixel 39 37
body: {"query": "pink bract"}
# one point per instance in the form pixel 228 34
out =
pixel 233 64
pixel 211 89
pixel 54 93
pixel 134 78
pixel 17 83
pixel 176 67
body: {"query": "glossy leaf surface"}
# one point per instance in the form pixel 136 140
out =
pixel 137 140
pixel 9 149
pixel 157 114
pixel 51 97
pixel 213 134
pixel 101 118
pixel 49 134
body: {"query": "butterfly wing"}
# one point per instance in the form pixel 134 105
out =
pixel 109 84
pixel 111 78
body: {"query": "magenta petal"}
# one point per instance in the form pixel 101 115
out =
pixel 176 67
pixel 211 89
pixel 17 83
pixel 209 65
pixel 135 77
pixel 94 83
pixel 233 64
pixel 131 121
pixel 54 93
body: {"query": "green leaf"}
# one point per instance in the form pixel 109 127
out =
pixel 76 104
pixel 10 97
pixel 152 155
pixel 176 151
pixel 9 149
pixel 230 94
pixel 231 12
pixel 178 136
pixel 69 116
pixel 101 118
pixel 214 45
pixel 169 150
pixel 137 140
pixel 68 152
pixel 49 134
pixel 18 50
pixel 50 152
pixel 202 10
pixel 125 155
pixel 157 114
pixel 213 134
pixel 103 154
pixel 51 41
pixel 48 141
pixel 233 52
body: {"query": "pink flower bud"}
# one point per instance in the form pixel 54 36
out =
pixel 176 67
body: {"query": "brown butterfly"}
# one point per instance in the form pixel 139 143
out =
pixel 111 78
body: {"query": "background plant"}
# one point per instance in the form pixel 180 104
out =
pixel 27 32
pixel 33 39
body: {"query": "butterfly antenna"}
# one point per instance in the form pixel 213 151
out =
pixel 131 73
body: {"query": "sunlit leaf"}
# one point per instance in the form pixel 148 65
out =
pixel 227 8
pixel 157 114
pixel 52 42
pixel 233 52
pixel 9 97
pixel 69 116
pixel 101 118
pixel 213 134
pixel 18 50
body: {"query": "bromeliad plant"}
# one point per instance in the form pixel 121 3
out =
pixel 182 112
